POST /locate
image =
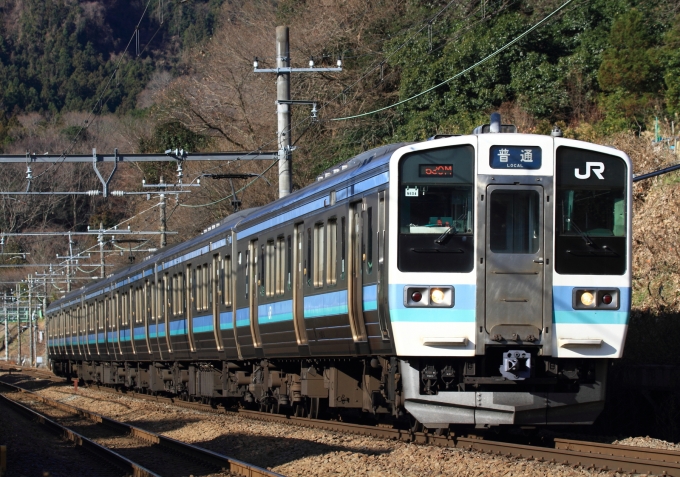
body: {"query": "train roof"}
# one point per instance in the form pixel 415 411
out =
pixel 331 177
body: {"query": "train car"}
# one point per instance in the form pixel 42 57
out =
pixel 481 279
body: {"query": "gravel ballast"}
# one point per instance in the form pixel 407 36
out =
pixel 297 451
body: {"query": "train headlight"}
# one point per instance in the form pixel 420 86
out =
pixel 587 299
pixel 595 299
pixel 429 296
pixel 437 296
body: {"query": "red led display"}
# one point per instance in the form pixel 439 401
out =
pixel 436 170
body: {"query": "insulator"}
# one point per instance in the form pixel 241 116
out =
pixel 118 193
pixel 93 192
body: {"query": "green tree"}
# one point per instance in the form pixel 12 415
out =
pixel 630 73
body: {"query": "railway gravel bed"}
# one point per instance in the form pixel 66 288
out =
pixel 298 451
pixel 156 458
pixel 33 451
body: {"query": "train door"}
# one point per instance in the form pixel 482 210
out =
pixel 355 261
pixel 514 262
pixel 298 284
pixel 382 304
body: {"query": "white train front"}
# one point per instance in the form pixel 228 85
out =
pixel 481 279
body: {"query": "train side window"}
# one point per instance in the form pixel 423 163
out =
pixel 318 255
pixel 173 294
pixel 331 251
pixel 210 270
pixel 270 286
pixel 262 279
pixel 180 292
pixel 226 271
pixel 196 288
pixel 289 262
pixel 247 282
pixel 308 264
pixel 280 251
pixel 205 285
pixel 369 241
pixel 343 239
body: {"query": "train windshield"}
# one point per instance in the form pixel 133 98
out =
pixel 436 210
pixel 590 215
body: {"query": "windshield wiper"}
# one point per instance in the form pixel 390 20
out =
pixel 443 238
pixel 586 238
pixel 451 231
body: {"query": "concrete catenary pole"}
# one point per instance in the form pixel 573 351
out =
pixel 102 263
pixel 283 110
pixel 164 224
pixel 6 330
pixel 18 302
pixel 29 317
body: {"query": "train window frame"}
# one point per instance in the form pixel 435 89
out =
pixel 226 280
pixel 308 261
pixel 280 259
pixel 205 286
pixel 318 255
pixel 369 241
pixel 289 262
pixel 441 240
pixel 332 251
pixel 270 269
pixel 343 246
pixel 598 243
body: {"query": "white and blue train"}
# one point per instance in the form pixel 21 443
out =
pixel 481 279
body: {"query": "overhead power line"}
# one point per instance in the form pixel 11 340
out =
pixel 466 70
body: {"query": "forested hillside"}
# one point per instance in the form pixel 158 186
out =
pixel 606 71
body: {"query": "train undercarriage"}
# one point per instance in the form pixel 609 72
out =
pixel 431 392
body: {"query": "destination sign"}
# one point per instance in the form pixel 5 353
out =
pixel 436 170
pixel 515 157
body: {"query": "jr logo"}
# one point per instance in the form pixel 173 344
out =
pixel 596 168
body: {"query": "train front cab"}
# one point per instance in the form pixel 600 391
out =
pixel 510 286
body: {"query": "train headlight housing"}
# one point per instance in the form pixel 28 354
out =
pixel 429 296
pixel 595 298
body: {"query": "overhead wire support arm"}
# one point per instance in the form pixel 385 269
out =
pixel 119 157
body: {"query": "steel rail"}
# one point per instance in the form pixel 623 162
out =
pixel 234 466
pixel 109 455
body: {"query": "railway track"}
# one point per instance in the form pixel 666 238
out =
pixel 134 450
pixel 591 455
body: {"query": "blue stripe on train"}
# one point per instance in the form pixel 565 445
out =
pixel 463 310
pixel 202 324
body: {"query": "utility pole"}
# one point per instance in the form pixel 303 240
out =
pixel 30 319
pixel 283 109
pixel 68 263
pixel 100 238
pixel 163 219
pixel 283 102
pixel 18 324
pixel 6 330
